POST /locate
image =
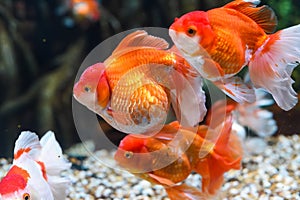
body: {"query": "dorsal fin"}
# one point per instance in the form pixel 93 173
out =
pixel 27 142
pixel 264 16
pixel 54 163
pixel 52 156
pixel 141 38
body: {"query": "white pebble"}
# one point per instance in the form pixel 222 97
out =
pixel 234 191
pixel 148 192
pixel 107 192
pixel 145 184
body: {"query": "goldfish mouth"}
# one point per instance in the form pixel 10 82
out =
pixel 173 34
pixel 176 38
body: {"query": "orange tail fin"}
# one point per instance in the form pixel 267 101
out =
pixel 186 192
pixel 273 63
pixel 226 155
pixel 228 150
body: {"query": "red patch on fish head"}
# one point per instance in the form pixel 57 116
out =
pixel 193 24
pixel 15 180
pixel 133 143
pixel 132 154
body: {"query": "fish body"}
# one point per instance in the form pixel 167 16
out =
pixel 171 155
pixel 222 41
pixel 133 88
pixel 35 172
pixel 85 9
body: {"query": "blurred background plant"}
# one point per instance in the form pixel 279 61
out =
pixel 43 43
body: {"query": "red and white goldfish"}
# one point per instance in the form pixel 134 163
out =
pixel 85 9
pixel 133 88
pixel 149 158
pixel 220 42
pixel 36 168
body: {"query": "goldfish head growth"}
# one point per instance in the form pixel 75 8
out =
pixel 15 186
pixel 133 154
pixel 21 181
pixel 190 31
pixel 92 89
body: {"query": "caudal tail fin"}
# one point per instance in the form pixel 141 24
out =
pixel 226 155
pixel 272 65
pixel 52 157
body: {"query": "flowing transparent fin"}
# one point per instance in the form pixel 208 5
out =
pixel 272 65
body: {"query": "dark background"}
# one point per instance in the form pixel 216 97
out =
pixel 40 55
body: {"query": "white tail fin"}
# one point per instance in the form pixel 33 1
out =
pixel 255 117
pixel 28 142
pixel 59 186
pixel 273 63
pixel 52 157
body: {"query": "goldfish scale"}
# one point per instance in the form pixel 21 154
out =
pixel 139 58
pixel 236 34
pixel 176 172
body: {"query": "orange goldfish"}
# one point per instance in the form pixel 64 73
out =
pixel 220 42
pixel 133 88
pixel 171 155
pixel 35 172
pixel 85 9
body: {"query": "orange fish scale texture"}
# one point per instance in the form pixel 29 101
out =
pixel 234 39
pixel 148 96
pixel 140 104
pixel 175 171
pixel 135 59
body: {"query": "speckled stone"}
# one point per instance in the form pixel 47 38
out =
pixel 271 175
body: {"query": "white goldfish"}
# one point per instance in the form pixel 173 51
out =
pixel 36 168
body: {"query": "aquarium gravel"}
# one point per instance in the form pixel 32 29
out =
pixel 273 174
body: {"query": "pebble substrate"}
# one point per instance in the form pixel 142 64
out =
pixel 273 174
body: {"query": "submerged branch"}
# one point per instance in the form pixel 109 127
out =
pixel 46 88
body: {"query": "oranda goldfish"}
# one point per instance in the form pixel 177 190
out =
pixel 151 158
pixel 36 168
pixel 85 9
pixel 218 43
pixel 133 88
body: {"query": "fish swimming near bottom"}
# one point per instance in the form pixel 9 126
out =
pixel 170 156
pixel 36 168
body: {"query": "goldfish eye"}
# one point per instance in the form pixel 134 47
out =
pixel 26 196
pixel 191 31
pixel 87 89
pixel 128 154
